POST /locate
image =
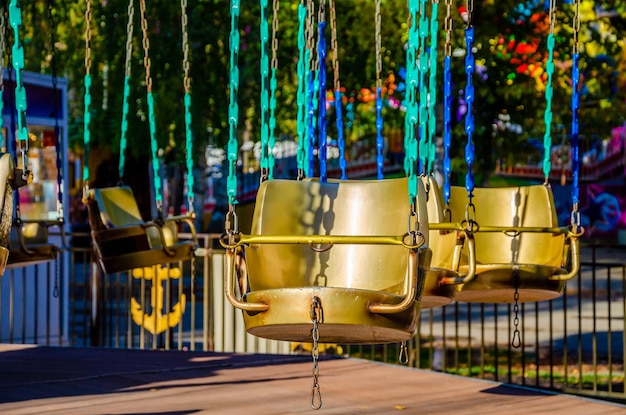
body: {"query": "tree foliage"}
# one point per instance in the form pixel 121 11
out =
pixel 510 50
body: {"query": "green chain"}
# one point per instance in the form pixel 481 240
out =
pixel 15 20
pixel 87 97
pixel 265 95
pixel 411 116
pixel 301 97
pixel 423 87
pixel 187 102
pixel 273 87
pixel 432 83
pixel 233 108
pixel 126 96
pixel 547 116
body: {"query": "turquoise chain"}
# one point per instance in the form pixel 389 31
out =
pixel 233 108
pixel 273 87
pixel 87 97
pixel 432 83
pixel 265 96
pixel 15 20
pixel 547 116
pixel 126 96
pixel 423 87
pixel 187 101
pixel 411 117
pixel 301 97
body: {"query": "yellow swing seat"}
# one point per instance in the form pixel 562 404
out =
pixel 29 243
pixel 519 246
pixel 339 244
pixel 123 241
pixel 446 241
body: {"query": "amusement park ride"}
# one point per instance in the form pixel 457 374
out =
pixel 347 261
pixel 340 260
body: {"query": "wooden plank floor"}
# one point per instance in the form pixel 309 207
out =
pixel 68 381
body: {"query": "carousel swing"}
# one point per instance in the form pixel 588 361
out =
pixel 522 254
pixel 122 239
pixel 325 262
pixel 29 240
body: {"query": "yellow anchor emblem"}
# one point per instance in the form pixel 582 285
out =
pixel 157 322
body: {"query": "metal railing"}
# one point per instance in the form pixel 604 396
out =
pixel 573 344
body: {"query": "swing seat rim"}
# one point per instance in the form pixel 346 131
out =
pixel 493 283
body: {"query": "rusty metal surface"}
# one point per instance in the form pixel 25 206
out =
pixel 38 380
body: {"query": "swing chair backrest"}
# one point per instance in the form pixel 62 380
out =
pixel 354 208
pixel 524 206
pixel 116 207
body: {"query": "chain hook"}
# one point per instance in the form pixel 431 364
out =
pixel 403 356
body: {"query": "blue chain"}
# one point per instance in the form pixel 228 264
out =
pixel 447 127
pixel 469 117
pixel 575 130
pixel 341 141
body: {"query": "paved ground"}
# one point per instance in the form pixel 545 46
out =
pixel 71 381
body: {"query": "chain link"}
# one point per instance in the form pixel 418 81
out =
pixel 334 45
pixel 516 342
pixel 448 28
pixel 317 317
pixel 575 104
pixel 301 97
pixel 576 26
pixel 273 86
pixel 146 45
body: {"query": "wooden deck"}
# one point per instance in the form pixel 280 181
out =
pixel 50 380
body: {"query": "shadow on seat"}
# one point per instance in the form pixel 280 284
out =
pixel 123 241
pixel 519 246
pixel 339 243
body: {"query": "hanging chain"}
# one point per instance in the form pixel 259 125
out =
pixel 2 49
pixel 447 104
pixel 380 141
pixel 433 87
pixel 265 97
pixel 547 117
pixel 321 107
pixel 15 20
pixel 151 111
pixel 469 116
pixel 575 219
pixel 317 317
pixel 410 121
pixel 516 342
pixel 273 87
pixel 126 95
pixel 87 100
pixel 341 142
pixel 301 97
pixel 184 20
pixel 422 114
pixel 146 45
